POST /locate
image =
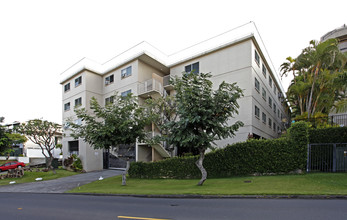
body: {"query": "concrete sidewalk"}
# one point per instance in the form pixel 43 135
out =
pixel 60 185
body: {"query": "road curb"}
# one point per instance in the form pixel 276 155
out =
pixel 342 197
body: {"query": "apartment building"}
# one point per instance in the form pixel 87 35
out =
pixel 237 56
pixel 341 35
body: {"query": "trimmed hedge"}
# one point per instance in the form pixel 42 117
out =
pixel 254 156
pixel 328 135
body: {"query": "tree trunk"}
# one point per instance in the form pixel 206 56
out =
pixel 124 175
pixel 310 101
pixel 199 164
pixel 49 164
pixel 312 88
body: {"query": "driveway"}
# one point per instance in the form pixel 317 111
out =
pixel 60 185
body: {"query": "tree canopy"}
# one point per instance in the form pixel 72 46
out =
pixel 42 133
pixel 119 122
pixel 320 79
pixel 202 114
pixel 4 139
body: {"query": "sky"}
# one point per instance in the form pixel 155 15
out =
pixel 40 39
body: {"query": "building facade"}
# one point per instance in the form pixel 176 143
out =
pixel 145 72
pixel 341 35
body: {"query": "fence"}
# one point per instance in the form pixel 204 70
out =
pixel 327 157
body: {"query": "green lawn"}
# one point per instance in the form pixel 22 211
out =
pixel 31 176
pixel 306 184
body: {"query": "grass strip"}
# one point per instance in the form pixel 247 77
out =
pixel 31 176
pixel 304 184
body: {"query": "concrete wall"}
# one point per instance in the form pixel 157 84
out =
pixel 236 63
pixel 144 153
pixel 91 86
pixel 120 84
pixel 231 64
pixel 19 159
pixel 155 155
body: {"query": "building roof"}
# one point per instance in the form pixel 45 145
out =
pixel 148 53
pixel 340 32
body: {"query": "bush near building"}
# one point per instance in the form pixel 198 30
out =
pixel 281 155
pixel 328 135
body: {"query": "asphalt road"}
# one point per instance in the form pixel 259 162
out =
pixel 30 206
pixel 59 185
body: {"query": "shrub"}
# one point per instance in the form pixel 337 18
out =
pixel 73 163
pixel 254 156
pixel 328 135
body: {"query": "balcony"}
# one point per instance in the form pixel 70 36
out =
pixel 166 83
pixel 149 87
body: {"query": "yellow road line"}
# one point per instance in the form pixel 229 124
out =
pixel 141 218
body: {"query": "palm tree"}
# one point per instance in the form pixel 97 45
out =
pixel 320 78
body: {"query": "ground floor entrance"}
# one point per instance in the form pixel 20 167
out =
pixel 116 157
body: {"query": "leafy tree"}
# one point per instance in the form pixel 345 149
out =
pixel 161 111
pixel 202 114
pixel 5 142
pixel 317 84
pixel 120 122
pixel 42 133
pixel 16 138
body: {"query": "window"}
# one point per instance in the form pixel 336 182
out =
pixel 263 93
pixel 126 72
pixel 78 81
pixel 66 125
pixel 78 102
pixel 274 126
pixel 67 106
pixel 275 108
pixel 281 116
pixel 109 100
pixel 109 79
pixel 278 113
pixel 73 147
pixel 264 118
pixel 256 57
pixel 270 81
pixel 275 89
pixel 123 94
pixel 264 70
pixel 270 102
pixel 257 84
pixel 270 122
pixel 192 68
pixel 67 87
pixel 78 121
pixel 257 112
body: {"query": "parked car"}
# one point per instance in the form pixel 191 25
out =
pixel 11 165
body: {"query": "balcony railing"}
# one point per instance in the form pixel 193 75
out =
pixel 150 86
pixel 166 82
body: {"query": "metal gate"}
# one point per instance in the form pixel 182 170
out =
pixel 116 156
pixel 327 157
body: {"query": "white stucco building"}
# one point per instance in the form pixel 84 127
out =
pixel 236 56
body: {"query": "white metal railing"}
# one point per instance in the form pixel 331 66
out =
pixel 149 86
pixel 166 80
